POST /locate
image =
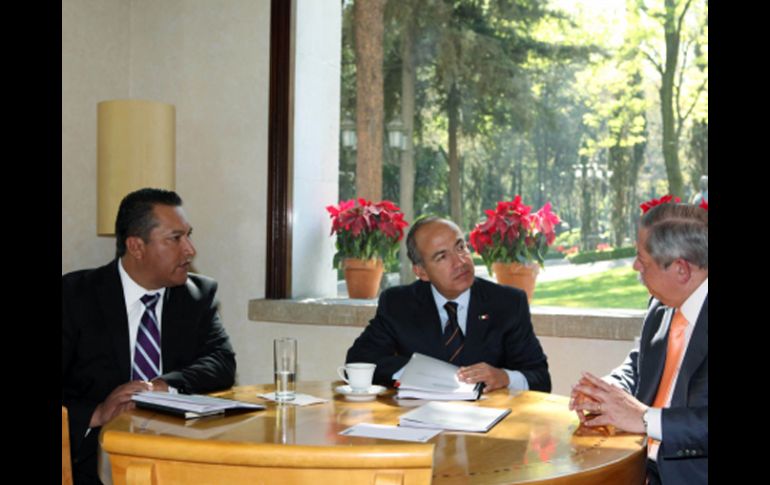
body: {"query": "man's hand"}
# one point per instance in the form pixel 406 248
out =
pixel 578 398
pixel 159 385
pixel 492 377
pixel 611 405
pixel 118 401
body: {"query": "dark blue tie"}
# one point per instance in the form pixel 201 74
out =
pixel 453 336
pixel 147 351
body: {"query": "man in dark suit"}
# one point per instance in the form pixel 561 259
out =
pixel 451 315
pixel 662 387
pixel 142 322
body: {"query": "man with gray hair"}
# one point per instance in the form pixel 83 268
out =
pixel 661 389
pixel 449 314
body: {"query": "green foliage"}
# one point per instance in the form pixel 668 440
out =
pixel 568 238
pixel 594 256
pixel 616 288
pixel 517 251
pixel 375 245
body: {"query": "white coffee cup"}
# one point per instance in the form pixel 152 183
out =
pixel 359 375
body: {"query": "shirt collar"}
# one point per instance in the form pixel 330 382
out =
pixel 132 291
pixel 462 300
pixel 692 305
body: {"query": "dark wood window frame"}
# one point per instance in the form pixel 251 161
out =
pixel 279 209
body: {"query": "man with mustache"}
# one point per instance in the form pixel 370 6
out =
pixel 449 314
pixel 142 322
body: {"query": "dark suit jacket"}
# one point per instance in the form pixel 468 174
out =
pixel 683 453
pixel 196 352
pixel 499 332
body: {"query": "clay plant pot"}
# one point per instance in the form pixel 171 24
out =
pixel 363 277
pixel 522 276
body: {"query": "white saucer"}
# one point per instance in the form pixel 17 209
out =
pixel 368 395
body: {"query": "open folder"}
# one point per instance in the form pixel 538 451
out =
pixel 428 378
pixel 190 406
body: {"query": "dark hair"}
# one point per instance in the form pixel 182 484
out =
pixel 411 244
pixel 677 231
pixel 135 216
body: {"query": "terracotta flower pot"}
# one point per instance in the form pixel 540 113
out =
pixel 522 276
pixel 363 277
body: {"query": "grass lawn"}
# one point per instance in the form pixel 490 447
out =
pixel 615 288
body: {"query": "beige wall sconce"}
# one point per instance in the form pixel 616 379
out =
pixel 136 148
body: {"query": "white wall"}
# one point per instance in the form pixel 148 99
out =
pixel 210 58
pixel 95 67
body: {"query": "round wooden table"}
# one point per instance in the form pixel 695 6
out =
pixel 536 443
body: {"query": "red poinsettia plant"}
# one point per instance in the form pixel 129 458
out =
pixel 667 199
pixel 366 230
pixel 513 234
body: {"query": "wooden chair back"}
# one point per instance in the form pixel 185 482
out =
pixel 66 463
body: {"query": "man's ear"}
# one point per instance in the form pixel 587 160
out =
pixel 683 270
pixel 135 247
pixel 419 271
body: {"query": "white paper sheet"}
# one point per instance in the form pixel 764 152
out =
pixel 299 399
pixel 382 431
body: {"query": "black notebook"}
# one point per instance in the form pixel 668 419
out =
pixel 190 406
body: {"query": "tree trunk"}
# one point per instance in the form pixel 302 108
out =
pixel 670 130
pixel 618 182
pixel 407 174
pixel 586 214
pixel 455 196
pixel 369 97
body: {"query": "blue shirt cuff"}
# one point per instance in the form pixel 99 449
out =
pixel 517 380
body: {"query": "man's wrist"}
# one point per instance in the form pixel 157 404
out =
pixel 645 420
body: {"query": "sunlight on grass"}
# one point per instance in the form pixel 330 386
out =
pixel 616 288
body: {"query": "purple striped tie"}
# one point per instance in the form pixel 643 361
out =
pixel 453 336
pixel 147 351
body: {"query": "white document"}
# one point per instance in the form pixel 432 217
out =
pixel 428 378
pixel 454 417
pixel 299 399
pixel 383 431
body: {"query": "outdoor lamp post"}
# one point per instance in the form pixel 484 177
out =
pixel 348 129
pixel 396 138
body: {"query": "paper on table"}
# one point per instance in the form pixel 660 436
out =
pixel 425 377
pixel 382 431
pixel 455 417
pixel 299 399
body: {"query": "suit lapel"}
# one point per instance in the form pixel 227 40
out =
pixel 427 318
pixel 475 327
pixel 113 307
pixel 172 328
pixel 653 357
pixel 696 352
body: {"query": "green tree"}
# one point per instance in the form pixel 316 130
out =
pixel 683 28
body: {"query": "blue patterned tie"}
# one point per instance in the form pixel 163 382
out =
pixel 147 351
pixel 453 336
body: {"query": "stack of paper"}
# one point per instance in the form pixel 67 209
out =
pixel 189 405
pixel 454 417
pixel 428 378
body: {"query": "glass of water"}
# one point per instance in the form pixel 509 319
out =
pixel 285 359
